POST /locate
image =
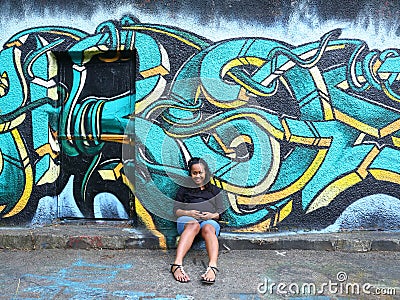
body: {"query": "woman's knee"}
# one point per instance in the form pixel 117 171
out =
pixel 192 226
pixel 208 229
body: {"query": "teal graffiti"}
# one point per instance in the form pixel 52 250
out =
pixel 287 129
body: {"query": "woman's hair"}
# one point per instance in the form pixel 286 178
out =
pixel 198 160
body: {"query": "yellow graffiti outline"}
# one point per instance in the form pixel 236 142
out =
pixel 4 84
pixel 296 186
pixel 243 97
pixel 161 70
pixel 157 70
pixel 141 211
pixel 19 43
pixel 241 100
pixel 75 37
pixel 262 186
pixel 361 126
pixel 250 89
pixel 285 211
pixel 18 65
pixel 312 141
pixel 333 190
pixel 266 224
pixel 51 175
pixel 396 141
pixel 241 61
pixel 148 221
pixel 362 170
pixel 46 149
pixel 278 73
pixel 112 174
pixel 8 126
pixel 260 227
pixel 179 38
pixel 352 122
pixel 323 93
pixel 228 151
pixel 390 128
pixel 53 71
pixel 231 197
pixel 23 200
pixel 152 97
pixel 385 175
pixel 1 161
pixel 389 94
pixel 259 120
pixel 376 132
pixel 338 186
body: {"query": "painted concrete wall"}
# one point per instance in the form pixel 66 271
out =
pixel 294 104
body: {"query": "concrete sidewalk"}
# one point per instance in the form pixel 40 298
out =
pixel 117 235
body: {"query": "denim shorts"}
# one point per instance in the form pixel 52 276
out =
pixel 181 221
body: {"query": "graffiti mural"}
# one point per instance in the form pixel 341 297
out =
pixel 294 134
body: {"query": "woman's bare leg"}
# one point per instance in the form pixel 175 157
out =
pixel 212 246
pixel 185 242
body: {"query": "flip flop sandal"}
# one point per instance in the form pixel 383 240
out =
pixel 182 271
pixel 215 270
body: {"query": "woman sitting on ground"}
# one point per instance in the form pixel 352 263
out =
pixel 197 208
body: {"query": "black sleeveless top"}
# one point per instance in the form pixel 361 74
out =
pixel 207 200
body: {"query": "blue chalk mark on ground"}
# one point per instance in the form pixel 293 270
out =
pixel 81 281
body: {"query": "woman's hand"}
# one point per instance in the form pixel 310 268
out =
pixel 209 216
pixel 190 213
pixel 195 214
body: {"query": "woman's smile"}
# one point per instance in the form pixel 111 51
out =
pixel 198 174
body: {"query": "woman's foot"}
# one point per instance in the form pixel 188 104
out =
pixel 210 275
pixel 179 274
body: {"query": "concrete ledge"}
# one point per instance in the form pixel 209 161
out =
pixel 109 236
pixel 356 241
pixel 76 237
pixel 353 245
pixel 393 245
pixel 19 242
pixel 284 244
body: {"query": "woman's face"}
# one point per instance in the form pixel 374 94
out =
pixel 198 174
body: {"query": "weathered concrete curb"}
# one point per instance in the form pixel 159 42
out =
pixel 95 236
pixel 358 241
pixel 75 237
